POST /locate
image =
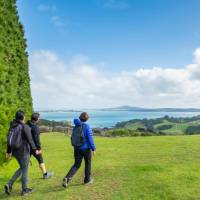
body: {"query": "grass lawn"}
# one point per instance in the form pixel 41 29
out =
pixel 137 168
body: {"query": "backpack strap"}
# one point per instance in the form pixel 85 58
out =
pixel 22 129
pixel 82 127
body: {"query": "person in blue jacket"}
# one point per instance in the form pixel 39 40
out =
pixel 84 151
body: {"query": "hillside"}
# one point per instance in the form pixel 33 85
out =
pixel 139 109
pixel 165 125
pixel 14 78
pixel 145 168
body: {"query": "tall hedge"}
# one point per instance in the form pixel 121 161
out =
pixel 14 77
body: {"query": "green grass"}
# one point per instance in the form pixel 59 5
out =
pixel 135 168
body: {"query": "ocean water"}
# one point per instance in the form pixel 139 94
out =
pixel 110 118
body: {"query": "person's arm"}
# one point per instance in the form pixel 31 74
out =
pixel 36 137
pixel 90 138
pixel 28 136
pixel 8 149
pixel 8 146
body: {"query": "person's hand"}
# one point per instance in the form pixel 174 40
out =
pixel 94 153
pixel 8 155
pixel 37 152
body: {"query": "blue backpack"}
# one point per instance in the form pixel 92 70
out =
pixel 77 138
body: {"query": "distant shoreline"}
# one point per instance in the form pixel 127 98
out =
pixel 127 108
pixel 109 118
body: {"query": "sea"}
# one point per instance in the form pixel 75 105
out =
pixel 101 118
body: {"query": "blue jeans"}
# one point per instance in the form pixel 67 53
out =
pixel 23 162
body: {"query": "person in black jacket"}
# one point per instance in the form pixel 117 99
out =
pixel 22 154
pixel 36 138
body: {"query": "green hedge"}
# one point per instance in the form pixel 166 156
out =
pixel 14 77
pixel 120 132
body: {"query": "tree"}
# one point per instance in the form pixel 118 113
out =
pixel 15 90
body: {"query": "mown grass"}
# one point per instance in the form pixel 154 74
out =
pixel 135 168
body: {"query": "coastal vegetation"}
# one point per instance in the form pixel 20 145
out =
pixel 137 127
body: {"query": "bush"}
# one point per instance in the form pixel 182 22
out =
pixel 193 130
pixel 45 122
pixel 164 127
pixel 121 133
pixel 14 78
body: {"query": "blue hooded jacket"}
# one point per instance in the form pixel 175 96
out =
pixel 88 138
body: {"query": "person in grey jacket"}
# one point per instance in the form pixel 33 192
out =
pixel 22 154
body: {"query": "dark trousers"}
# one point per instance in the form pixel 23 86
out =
pixel 78 156
pixel 22 171
pixel 38 157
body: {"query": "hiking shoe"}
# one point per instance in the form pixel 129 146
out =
pixel 8 189
pixel 27 191
pixel 65 182
pixel 47 175
pixel 89 182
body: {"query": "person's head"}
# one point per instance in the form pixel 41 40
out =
pixel 20 116
pixel 84 117
pixel 35 117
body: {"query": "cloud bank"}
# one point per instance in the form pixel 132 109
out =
pixel 79 84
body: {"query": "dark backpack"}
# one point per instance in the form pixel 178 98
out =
pixel 77 138
pixel 15 140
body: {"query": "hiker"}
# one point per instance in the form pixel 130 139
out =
pixel 19 141
pixel 36 138
pixel 83 143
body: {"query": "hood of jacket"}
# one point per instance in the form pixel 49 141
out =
pixel 15 123
pixel 30 123
pixel 77 122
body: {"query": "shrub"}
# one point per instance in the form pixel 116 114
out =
pixel 14 78
pixel 193 130
pixel 164 127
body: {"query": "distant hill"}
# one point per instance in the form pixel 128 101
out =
pixel 139 109
pixel 129 108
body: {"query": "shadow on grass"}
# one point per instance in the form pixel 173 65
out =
pixel 75 185
pixel 14 194
pixel 59 188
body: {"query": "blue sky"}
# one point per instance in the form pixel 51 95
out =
pixel 143 33
pixel 117 36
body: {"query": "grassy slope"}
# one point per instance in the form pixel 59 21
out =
pixel 177 128
pixel 137 168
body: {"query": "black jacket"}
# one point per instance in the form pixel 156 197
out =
pixel 27 140
pixel 35 134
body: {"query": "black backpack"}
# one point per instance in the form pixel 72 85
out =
pixel 77 138
pixel 15 140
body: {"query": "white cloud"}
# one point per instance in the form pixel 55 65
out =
pixel 78 84
pixel 115 4
pixel 57 21
pixel 47 8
